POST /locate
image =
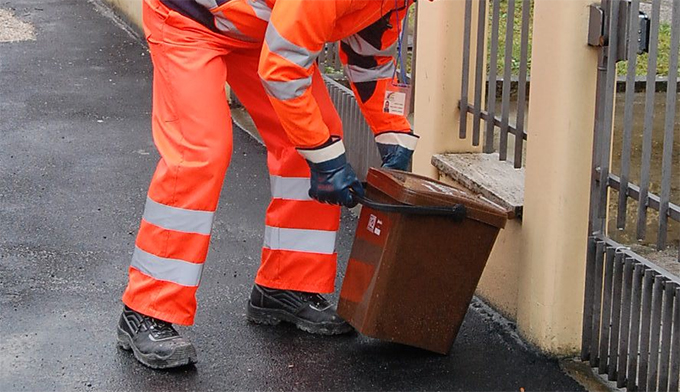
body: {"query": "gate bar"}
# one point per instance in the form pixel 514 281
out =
pixel 493 70
pixel 479 71
pixel 507 75
pixel 675 350
pixel 671 99
pixel 607 123
pixel 634 341
pixel 522 88
pixel 466 70
pixel 625 325
pixel 649 121
pixel 648 286
pixel 628 114
pixel 655 333
pixel 605 328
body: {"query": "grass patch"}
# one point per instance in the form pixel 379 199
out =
pixel 663 59
pixel 516 35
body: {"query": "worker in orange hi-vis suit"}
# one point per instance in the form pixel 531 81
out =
pixel 266 51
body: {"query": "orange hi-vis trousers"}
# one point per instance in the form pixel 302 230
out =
pixel 192 131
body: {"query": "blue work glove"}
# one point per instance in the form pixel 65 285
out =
pixel 396 149
pixel 333 180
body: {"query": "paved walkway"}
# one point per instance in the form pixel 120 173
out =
pixel 76 156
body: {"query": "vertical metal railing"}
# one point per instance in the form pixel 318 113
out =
pixel 644 147
pixel 358 137
pixel 329 59
pixel 631 330
pixel 514 69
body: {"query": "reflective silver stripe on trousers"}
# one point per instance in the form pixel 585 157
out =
pixel 290 188
pixel 298 55
pixel 262 10
pixel 357 74
pixel 299 240
pixel 362 47
pixel 287 90
pixel 178 219
pixel 170 270
pixel 226 26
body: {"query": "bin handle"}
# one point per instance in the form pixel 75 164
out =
pixel 457 212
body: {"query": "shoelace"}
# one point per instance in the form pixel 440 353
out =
pixel 160 329
pixel 318 300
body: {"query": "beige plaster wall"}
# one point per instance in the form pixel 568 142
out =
pixel 499 283
pixel 132 9
pixel 558 174
pixel 438 82
pixel 438 91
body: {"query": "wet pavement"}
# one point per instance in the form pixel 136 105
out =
pixel 76 156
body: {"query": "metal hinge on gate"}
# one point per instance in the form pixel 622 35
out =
pixel 598 28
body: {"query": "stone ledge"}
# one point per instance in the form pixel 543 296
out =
pixel 485 174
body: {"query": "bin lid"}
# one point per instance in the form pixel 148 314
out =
pixel 412 189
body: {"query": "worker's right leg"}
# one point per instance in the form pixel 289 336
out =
pixel 192 132
pixel 298 256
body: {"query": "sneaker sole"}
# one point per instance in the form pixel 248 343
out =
pixel 181 357
pixel 265 316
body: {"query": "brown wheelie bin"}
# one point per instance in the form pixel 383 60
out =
pixel 419 252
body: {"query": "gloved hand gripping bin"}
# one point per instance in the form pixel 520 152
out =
pixel 419 252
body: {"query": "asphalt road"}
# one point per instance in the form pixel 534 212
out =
pixel 76 156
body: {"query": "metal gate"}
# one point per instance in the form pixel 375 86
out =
pixel 631 329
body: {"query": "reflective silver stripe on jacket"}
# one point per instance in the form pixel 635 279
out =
pixel 287 90
pixel 170 270
pixel 226 26
pixel 398 139
pixel 210 4
pixel 362 47
pixel 178 219
pixel 262 10
pixel 357 74
pixel 299 240
pixel 290 188
pixel 298 55
pixel 318 155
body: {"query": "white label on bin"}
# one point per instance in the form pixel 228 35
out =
pixel 374 225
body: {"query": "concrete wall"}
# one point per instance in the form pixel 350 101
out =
pixel 498 285
pixel 558 173
pixel 132 9
pixel 438 82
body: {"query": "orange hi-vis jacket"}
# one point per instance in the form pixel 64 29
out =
pixel 293 33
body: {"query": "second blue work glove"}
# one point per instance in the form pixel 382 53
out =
pixel 396 149
pixel 333 180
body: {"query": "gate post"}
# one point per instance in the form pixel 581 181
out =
pixel 438 81
pixel 558 175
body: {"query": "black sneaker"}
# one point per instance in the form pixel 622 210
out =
pixel 310 312
pixel 155 343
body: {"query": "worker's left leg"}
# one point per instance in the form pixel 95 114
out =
pixel 192 132
pixel 298 256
